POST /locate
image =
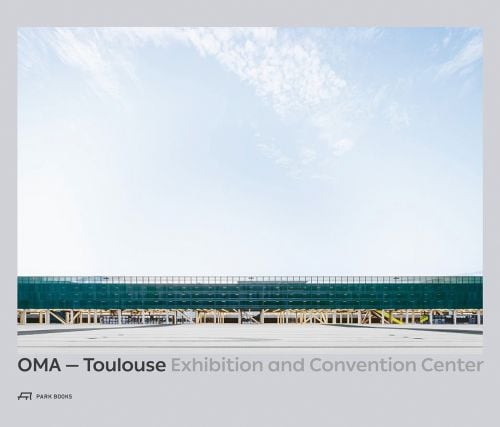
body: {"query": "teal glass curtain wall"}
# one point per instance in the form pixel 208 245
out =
pixel 320 292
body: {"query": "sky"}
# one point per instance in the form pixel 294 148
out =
pixel 249 151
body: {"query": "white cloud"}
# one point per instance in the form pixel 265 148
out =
pixel 397 116
pixel 446 40
pixel 273 152
pixel 341 146
pixel 31 51
pixel 468 55
pixel 86 54
pixel 288 73
pixel 332 126
pixel 307 155
pixel 433 50
pixel 286 69
pixel 383 104
pixel 364 35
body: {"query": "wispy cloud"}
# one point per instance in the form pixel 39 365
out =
pixel 364 35
pixel 290 74
pixel 397 116
pixel 31 51
pixel 91 57
pixel 308 155
pixel 446 39
pixel 271 151
pixel 341 146
pixel 466 57
pixel 104 67
pixel 288 70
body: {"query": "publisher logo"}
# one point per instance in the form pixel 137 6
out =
pixel 26 395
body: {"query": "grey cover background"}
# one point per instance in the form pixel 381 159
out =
pixel 265 399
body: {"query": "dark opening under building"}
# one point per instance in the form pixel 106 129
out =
pixel 281 299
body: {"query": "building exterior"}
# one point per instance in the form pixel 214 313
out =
pixel 233 297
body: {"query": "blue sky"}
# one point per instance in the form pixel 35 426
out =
pixel 329 151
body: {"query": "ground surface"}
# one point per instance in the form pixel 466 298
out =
pixel 248 339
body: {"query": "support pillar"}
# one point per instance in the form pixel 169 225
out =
pixel 71 316
pixel 119 313
pixel 239 317
pixel 369 317
pixel 406 316
pixel 143 317
pixel 47 317
pixel 383 317
pixel 334 320
pixel 261 316
pixel 23 317
pixel 95 316
pixel 454 317
pixel 478 317
pixel 431 317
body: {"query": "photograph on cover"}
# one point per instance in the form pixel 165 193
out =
pixel 252 190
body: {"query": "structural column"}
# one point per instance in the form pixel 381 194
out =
pixel 430 317
pixel 47 317
pixel 119 313
pixel 454 317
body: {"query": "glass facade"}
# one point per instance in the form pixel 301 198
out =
pixel 251 292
